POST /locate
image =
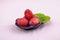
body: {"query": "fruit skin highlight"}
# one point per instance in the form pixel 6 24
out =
pixel 28 14
pixel 22 22
pixel 34 21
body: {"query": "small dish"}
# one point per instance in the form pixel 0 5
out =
pixel 28 27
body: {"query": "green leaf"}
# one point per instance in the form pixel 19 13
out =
pixel 42 17
pixel 47 18
pixel 39 15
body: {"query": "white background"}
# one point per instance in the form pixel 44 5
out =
pixel 12 9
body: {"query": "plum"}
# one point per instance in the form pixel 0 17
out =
pixel 34 21
pixel 28 14
pixel 22 21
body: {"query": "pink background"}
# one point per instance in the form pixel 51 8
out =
pixel 12 9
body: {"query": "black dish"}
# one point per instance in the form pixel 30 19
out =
pixel 28 27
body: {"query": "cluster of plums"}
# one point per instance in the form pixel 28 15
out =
pixel 29 21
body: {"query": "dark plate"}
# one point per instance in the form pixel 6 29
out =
pixel 28 27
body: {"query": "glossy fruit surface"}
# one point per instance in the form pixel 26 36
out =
pixel 34 21
pixel 22 21
pixel 28 14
